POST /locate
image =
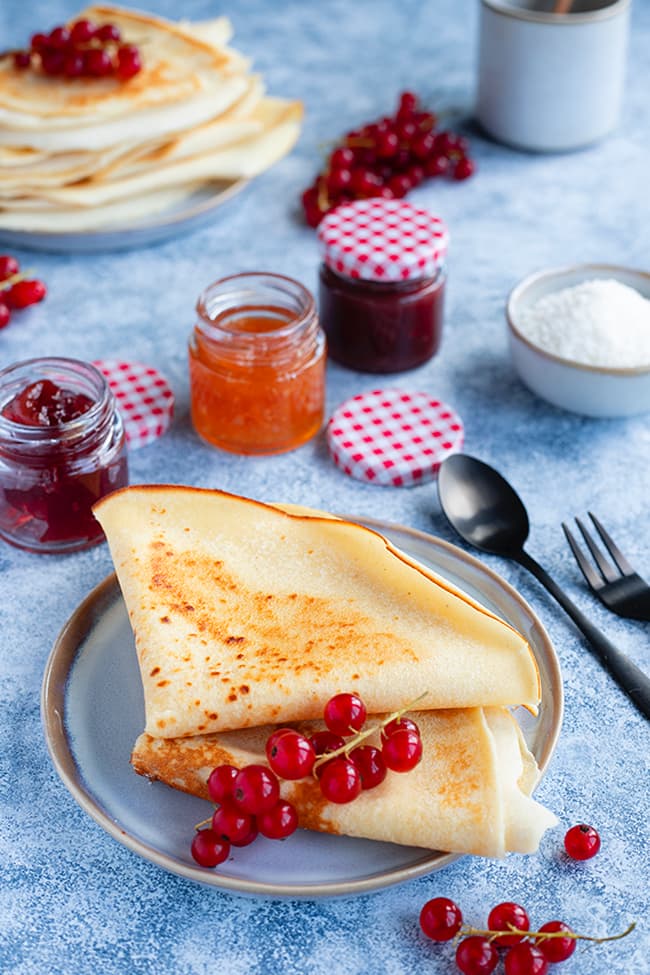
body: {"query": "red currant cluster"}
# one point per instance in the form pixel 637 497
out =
pixel 387 158
pixel 508 928
pixel 248 801
pixel 84 50
pixel 16 291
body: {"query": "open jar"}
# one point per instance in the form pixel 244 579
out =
pixel 62 448
pixel 257 365
pixel 382 282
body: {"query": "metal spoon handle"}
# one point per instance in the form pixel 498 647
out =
pixel 627 675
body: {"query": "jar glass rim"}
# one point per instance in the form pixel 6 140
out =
pixel 251 285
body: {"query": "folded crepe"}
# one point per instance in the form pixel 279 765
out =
pixel 245 614
pixel 469 794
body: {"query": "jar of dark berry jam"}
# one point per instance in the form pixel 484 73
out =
pixel 62 447
pixel 382 284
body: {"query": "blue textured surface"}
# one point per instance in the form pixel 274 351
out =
pixel 74 902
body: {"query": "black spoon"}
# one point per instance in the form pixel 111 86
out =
pixel 488 513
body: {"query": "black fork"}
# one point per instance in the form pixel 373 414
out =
pixel 615 583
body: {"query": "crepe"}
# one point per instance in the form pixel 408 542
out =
pixel 469 794
pixel 245 614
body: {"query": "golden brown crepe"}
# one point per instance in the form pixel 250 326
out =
pixel 245 614
pixel 469 794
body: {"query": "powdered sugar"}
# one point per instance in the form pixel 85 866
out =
pixel 599 323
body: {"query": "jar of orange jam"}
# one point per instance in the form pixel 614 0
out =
pixel 257 365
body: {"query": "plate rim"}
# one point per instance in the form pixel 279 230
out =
pixel 63 656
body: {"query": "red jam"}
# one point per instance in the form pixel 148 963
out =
pixel 62 448
pixel 381 327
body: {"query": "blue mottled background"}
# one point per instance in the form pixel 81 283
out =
pixel 73 901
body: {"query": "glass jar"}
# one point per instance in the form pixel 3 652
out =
pixel 257 365
pixel 382 284
pixel 54 468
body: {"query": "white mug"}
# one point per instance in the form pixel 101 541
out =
pixel 550 82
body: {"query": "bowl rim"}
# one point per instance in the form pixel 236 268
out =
pixel 550 273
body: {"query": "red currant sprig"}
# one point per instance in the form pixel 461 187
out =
pixel 526 952
pixel 387 158
pixel 17 289
pixel 84 50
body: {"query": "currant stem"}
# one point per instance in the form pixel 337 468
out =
pixel 362 735
pixel 467 930
pixel 204 822
pixel 15 278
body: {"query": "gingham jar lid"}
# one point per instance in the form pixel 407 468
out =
pixel 383 240
pixel 393 437
pixel 144 399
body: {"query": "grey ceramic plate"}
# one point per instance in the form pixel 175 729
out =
pixel 195 212
pixel 93 711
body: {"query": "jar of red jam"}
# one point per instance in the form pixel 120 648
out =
pixel 257 365
pixel 62 448
pixel 382 284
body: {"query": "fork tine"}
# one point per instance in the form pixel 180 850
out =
pixel 612 547
pixel 608 572
pixel 585 567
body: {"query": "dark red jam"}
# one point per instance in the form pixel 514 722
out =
pixel 381 327
pixel 62 448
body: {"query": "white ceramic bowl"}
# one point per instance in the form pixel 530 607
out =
pixel 589 390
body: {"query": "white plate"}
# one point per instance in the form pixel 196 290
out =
pixel 194 212
pixel 93 711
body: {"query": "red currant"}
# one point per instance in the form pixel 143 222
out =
pixel 108 33
pixel 250 836
pixel 58 37
pixel 24 293
pixel 38 42
pixel 5 315
pixel 73 65
pixel 342 158
pixel 339 180
pixel 400 184
pixel 221 782
pixel 82 31
pixel 22 60
pixel 402 751
pixel 231 822
pixel 582 842
pixel 476 956
pixel 208 848
pixel 326 741
pixel 8 266
pixel 422 145
pixel 508 915
pixel 387 145
pixel 398 724
pixel 525 959
pixel 463 169
pixel 440 919
pixel 371 765
pixel 279 822
pixel 255 789
pixel 52 60
pixel 129 62
pixel 408 102
pixel 340 780
pixel 556 949
pixel 97 63
pixel 290 754
pixel 436 166
pixel 344 714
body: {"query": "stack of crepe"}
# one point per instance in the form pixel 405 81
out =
pixel 77 155
pixel 247 616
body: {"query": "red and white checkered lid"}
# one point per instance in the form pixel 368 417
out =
pixel 393 437
pixel 144 398
pixel 383 240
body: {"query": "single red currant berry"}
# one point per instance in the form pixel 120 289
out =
pixel 400 184
pixel 250 836
pixel 24 293
pixel 230 822
pixel 279 822
pixel 582 842
pixel 556 949
pixel 440 919
pixel 108 33
pixel 408 102
pixel 255 789
pixel 463 169
pixel 402 751
pixel 365 182
pixel 398 724
pixel 82 31
pixel 5 315
pixel 338 180
pixel 290 754
pixel 508 915
pixel 525 959
pixel 221 782
pixel 73 65
pixel 387 145
pixel 129 62
pixel 436 166
pixel 422 145
pixel 52 60
pixel 371 765
pixel 97 63
pixel 59 37
pixel 38 42
pixel 8 266
pixel 22 60
pixel 340 780
pixel 476 956
pixel 345 714
pixel 209 849
pixel 326 741
pixel 342 158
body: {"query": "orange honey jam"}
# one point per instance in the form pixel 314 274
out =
pixel 257 365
